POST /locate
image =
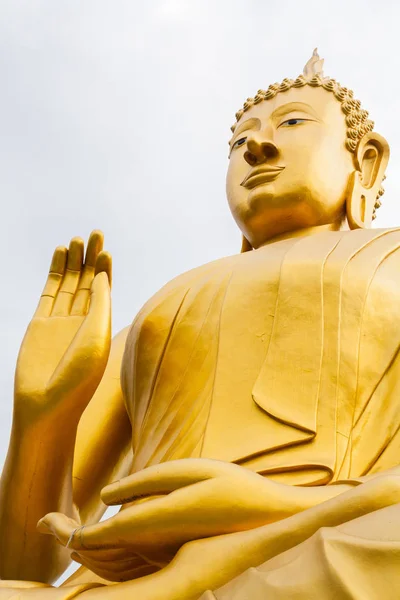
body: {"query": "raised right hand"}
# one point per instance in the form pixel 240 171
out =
pixel 65 349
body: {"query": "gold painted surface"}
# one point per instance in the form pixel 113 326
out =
pixel 257 408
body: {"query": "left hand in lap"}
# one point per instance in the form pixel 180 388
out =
pixel 185 500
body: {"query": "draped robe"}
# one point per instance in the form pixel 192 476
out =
pixel 283 360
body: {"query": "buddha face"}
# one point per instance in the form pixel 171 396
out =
pixel 289 168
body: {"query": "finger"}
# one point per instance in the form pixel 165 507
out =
pixel 69 284
pixel 81 300
pixel 115 562
pixel 161 479
pixel 94 247
pixel 112 534
pixel 100 302
pixel 109 554
pixel 70 534
pixel 131 571
pixel 59 525
pixel 54 279
pixel 149 556
pixel 136 529
pixel 150 525
pixel 86 357
pixel 104 263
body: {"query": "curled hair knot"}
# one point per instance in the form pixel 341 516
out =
pixel 270 93
pixel 328 85
pixel 285 85
pixel 239 114
pixel 353 134
pixel 347 107
pixel 300 81
pixel 316 81
pixel 351 144
pixel 340 94
pixel 352 121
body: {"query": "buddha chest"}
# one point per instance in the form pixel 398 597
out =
pixel 269 359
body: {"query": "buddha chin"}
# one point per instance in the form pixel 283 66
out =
pixel 268 212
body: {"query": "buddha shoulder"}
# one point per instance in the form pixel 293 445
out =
pixel 171 296
pixel 266 264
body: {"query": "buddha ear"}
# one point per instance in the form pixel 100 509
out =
pixel 371 159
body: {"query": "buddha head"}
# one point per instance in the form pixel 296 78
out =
pixel 303 154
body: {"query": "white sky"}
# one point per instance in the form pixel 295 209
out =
pixel 116 115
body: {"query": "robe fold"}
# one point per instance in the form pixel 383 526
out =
pixel 283 360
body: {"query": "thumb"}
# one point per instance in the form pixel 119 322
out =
pixel 57 524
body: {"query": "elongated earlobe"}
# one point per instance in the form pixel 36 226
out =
pixel 372 156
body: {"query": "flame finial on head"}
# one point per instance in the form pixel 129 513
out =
pixel 314 66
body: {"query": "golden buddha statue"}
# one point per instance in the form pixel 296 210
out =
pixel 253 438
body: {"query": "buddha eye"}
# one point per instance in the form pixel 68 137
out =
pixel 239 142
pixel 292 122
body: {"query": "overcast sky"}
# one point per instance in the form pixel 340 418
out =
pixel 115 115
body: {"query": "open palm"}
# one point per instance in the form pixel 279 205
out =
pixel 66 346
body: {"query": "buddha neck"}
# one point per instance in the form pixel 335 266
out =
pixel 306 231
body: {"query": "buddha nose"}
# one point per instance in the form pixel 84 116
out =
pixel 259 150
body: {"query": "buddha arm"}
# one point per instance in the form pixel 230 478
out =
pixel 41 474
pixel 103 442
pixel 36 477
